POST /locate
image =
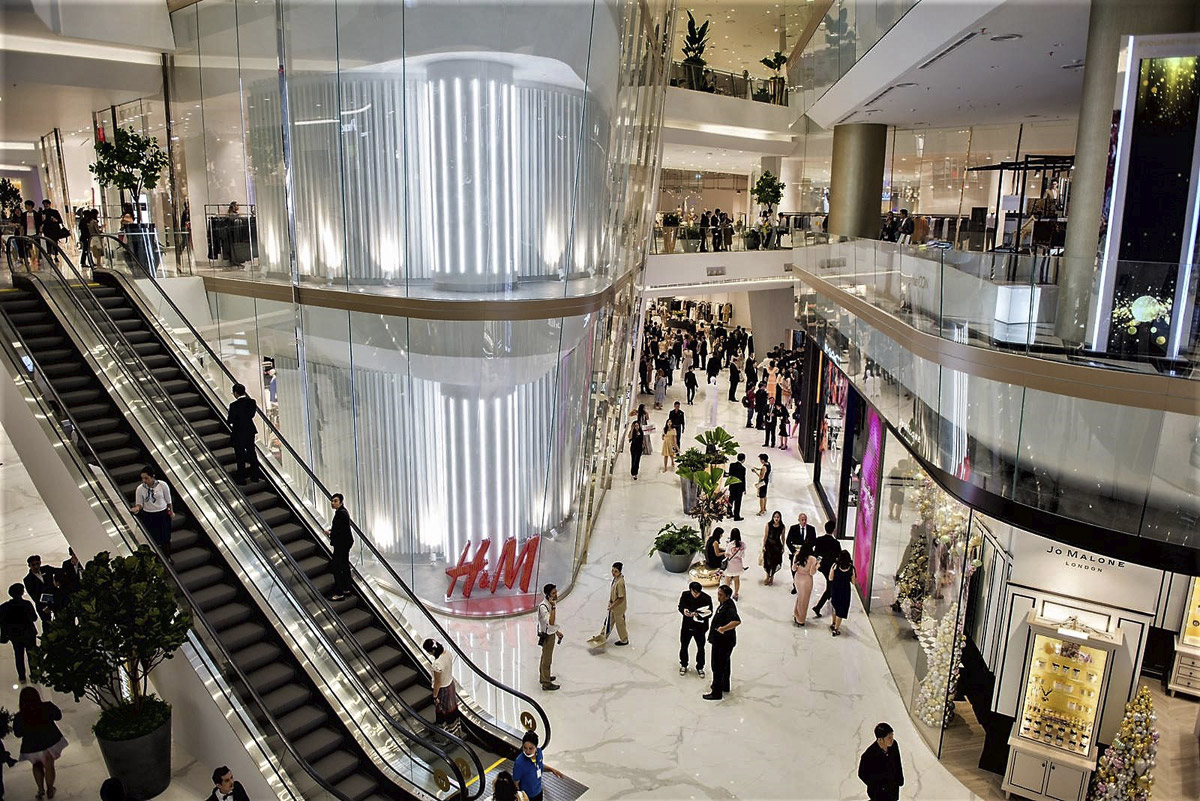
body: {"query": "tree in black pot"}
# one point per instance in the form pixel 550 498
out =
pixel 775 63
pixel 695 41
pixel 121 623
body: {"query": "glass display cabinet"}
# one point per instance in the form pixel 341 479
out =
pixel 1185 671
pixel 1052 748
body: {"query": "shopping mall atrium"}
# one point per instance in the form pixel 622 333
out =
pixel 603 399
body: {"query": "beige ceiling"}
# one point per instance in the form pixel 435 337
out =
pixel 743 31
pixel 710 159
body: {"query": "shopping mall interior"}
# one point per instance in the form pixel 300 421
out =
pixel 695 386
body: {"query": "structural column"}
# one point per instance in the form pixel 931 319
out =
pixel 856 179
pixel 1109 21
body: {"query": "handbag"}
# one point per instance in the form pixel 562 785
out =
pixel 647 444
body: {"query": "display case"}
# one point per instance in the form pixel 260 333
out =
pixel 1052 748
pixel 1185 671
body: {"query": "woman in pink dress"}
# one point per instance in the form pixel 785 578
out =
pixel 803 569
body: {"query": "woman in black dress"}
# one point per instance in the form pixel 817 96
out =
pixel 41 741
pixel 636 440
pixel 763 471
pixel 772 550
pixel 714 554
pixel 839 579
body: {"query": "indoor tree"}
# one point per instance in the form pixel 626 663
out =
pixel 768 191
pixel 131 162
pixel 775 63
pixel 10 198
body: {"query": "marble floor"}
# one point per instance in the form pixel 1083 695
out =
pixel 627 725
pixel 26 527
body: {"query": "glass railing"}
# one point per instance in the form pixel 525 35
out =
pixel 719 82
pixel 1014 303
pixel 849 30
pixel 735 238
pixel 493 703
pixel 382 727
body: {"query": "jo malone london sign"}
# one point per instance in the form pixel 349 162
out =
pixel 1081 573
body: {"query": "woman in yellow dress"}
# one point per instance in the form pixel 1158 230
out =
pixel 670 446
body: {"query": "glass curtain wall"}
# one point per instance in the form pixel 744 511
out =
pixel 445 152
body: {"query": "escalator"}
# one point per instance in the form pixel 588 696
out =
pixel 273 674
pixel 294 529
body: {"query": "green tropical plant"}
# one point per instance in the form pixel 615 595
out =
pixel 131 162
pixel 695 42
pixel 775 62
pixel 719 445
pixel 10 198
pixel 690 461
pixel 121 623
pixel 677 540
pixel 768 190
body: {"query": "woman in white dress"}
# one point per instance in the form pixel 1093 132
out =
pixel 735 562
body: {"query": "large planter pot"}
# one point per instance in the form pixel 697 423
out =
pixel 689 492
pixel 690 245
pixel 143 764
pixel 669 234
pixel 676 562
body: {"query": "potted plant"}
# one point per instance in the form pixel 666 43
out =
pixel 670 231
pixel 768 192
pixel 676 545
pixel 775 64
pixel 690 236
pixel 712 497
pixel 686 463
pixel 121 623
pixel 10 199
pixel 132 162
pixel 694 43
pixel 719 445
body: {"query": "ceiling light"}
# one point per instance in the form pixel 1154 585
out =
pixel 1006 37
pixel 15 167
pixel 1076 65
pixel 903 85
pixel 16 145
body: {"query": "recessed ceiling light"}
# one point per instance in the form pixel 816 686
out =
pixel 1006 37
pixel 903 85
pixel 1077 65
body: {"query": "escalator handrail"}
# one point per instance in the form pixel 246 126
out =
pixel 369 544
pixel 211 640
pixel 330 615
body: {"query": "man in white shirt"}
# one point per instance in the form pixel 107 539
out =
pixel 549 635
pixel 152 502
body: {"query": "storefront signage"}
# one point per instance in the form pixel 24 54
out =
pixel 511 567
pixel 1081 573
pixel 868 505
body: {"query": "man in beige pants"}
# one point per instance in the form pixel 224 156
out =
pixel 549 635
pixel 616 604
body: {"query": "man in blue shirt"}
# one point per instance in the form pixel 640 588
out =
pixel 528 767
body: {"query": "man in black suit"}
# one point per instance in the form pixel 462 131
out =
pixel 696 606
pixel 879 767
pixel 225 787
pixel 736 491
pixel 17 619
pixel 761 404
pixel 241 424
pixel 675 416
pixel 39 587
pixel 723 637
pixel 826 548
pixel 705 222
pixel 341 538
pixel 799 534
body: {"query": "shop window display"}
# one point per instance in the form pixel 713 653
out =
pixel 835 389
pixel 926 551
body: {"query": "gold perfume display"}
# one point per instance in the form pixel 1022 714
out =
pixel 1191 616
pixel 1064 688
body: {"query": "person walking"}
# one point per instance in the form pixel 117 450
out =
pixel 40 589
pixel 879 767
pixel 764 480
pixel 735 378
pixel 445 692
pixel 660 389
pixel 800 534
pixel 722 636
pixel 41 741
pixel 670 446
pixel 152 503
pixel 772 547
pixel 676 416
pixel 17 626
pixel 529 766
pixel 690 383
pixel 748 403
pixel 637 441
pixel 737 489
pixel 843 574
pixel 781 419
pixel 225 787
pixel 696 607
pixel 617 602
pixel 769 427
pixel 804 567
pixel 342 539
pixel 243 431
pixel 735 564
pixel 549 635
pixel 827 549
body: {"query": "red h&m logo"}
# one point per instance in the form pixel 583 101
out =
pixel 511 567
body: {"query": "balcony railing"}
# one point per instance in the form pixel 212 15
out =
pixel 720 82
